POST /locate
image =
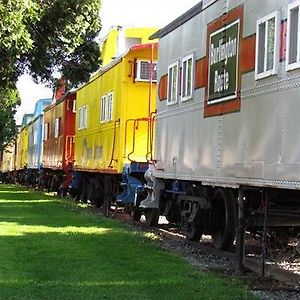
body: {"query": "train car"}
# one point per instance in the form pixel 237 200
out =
pixel 58 144
pixel 226 132
pixel 22 149
pixel 120 38
pixel 35 142
pixel 8 156
pixel 114 123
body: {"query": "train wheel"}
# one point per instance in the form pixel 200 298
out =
pixel 224 219
pixel 107 206
pixel 152 216
pixel 55 184
pixel 83 194
pixel 136 214
pixel 193 232
pixel 94 193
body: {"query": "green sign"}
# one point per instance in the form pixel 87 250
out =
pixel 223 63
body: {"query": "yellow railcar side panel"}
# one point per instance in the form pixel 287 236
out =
pixel 140 101
pixel 22 149
pixel 101 146
pixel 93 145
pixel 109 48
pixel 8 158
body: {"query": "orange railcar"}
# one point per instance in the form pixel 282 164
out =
pixel 58 150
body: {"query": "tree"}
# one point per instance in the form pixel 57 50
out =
pixel 41 37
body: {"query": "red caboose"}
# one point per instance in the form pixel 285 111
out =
pixel 58 150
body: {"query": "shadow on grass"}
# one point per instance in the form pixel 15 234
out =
pixel 54 250
pixel 53 213
pixel 35 208
pixel 112 265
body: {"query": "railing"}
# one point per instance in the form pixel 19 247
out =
pixel 136 123
pixel 69 145
pixel 113 145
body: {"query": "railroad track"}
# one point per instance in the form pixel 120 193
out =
pixel 290 279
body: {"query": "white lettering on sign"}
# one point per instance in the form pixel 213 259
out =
pixel 221 82
pixel 223 51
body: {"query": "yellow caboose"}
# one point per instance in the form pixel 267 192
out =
pixel 22 148
pixel 8 162
pixel 114 127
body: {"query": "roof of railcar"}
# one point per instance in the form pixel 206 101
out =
pixel 195 10
pixel 61 99
pixel 115 61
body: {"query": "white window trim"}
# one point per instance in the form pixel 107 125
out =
pixel 35 134
pixel 138 70
pixel 74 106
pixel 84 109
pixel 46 131
pixel 103 107
pixel 185 59
pixel 109 109
pixel 106 109
pixel 273 71
pixel 57 128
pixel 296 64
pixel 79 118
pixel 169 102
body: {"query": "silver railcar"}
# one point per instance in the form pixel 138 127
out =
pixel 227 129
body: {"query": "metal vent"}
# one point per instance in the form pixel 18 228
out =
pixel 143 70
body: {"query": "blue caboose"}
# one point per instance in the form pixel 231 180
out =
pixel 35 141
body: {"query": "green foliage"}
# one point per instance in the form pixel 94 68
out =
pixel 63 40
pixel 41 37
pixel 51 249
pixel 9 98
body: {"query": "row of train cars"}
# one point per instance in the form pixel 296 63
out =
pixel 200 127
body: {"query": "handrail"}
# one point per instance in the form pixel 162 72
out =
pixel 68 150
pixel 125 138
pixel 136 123
pixel 114 143
pixel 150 137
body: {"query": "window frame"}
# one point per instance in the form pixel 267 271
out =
pixel 138 70
pixel 82 117
pixel 35 135
pixel 74 106
pixel 46 131
pixel 110 105
pixel 294 65
pixel 185 80
pixel 103 111
pixel 265 20
pixel 57 127
pixel 170 67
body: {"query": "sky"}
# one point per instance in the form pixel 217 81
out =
pixel 135 13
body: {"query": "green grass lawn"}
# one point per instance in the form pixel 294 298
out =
pixel 53 249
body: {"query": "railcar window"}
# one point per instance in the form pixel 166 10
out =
pixel 293 38
pixel 143 70
pixel 267 48
pixel 82 117
pixel 74 106
pixel 57 128
pixel 103 109
pixel 187 78
pixel 110 98
pixel 35 137
pixel 106 107
pixel 173 84
pixel 46 131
